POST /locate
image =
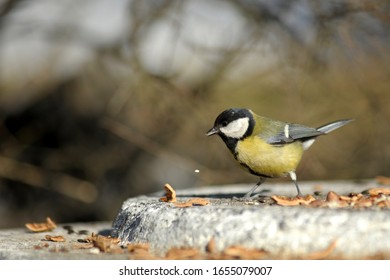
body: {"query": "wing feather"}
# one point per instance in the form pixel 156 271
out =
pixel 293 132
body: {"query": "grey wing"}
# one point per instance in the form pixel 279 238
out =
pixel 293 132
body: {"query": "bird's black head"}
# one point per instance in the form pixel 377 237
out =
pixel 233 123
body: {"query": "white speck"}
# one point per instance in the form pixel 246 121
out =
pixel 196 170
pixel 286 131
pixel 94 251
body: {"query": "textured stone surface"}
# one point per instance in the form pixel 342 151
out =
pixel 20 244
pixel 282 231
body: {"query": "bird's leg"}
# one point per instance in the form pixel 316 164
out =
pixel 293 177
pixel 250 193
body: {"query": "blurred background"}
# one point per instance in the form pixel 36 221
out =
pixel 101 100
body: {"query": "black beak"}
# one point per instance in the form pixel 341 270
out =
pixel 212 131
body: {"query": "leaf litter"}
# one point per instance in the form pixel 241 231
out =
pixel 49 225
pixel 170 196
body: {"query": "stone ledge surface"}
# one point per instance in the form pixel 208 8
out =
pixel 20 244
pixel 285 232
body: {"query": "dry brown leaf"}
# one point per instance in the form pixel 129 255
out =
pixel 41 227
pixel 318 203
pixel 293 201
pixel 182 253
pixel 332 196
pixel 351 198
pixel 377 191
pixel 240 252
pixel 211 247
pixel 182 204
pixel 337 204
pixel 57 238
pixel 364 202
pixel 383 203
pixel 170 194
pixel 140 251
pixel 131 247
pixel 323 254
pixel 383 180
pixel 106 244
pixel 375 197
pixel 196 201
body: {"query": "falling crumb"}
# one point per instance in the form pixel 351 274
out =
pixel 197 171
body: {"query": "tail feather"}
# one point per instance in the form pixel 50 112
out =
pixel 333 125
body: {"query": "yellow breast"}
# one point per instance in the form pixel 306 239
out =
pixel 269 160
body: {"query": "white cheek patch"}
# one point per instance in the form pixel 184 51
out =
pixel 236 129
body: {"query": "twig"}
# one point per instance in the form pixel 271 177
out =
pixel 37 177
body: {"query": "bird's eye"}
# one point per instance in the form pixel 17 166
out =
pixel 224 123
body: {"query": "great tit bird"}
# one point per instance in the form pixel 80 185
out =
pixel 267 148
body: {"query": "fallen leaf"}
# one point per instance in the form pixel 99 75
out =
pixel 383 203
pixel 293 201
pixel 131 247
pixel 106 244
pixel 182 204
pixel 170 194
pixel 182 253
pixel 211 247
pixel 323 254
pixel 383 180
pixel 41 227
pixel 332 196
pixel 351 198
pixel 318 203
pixel 58 238
pixel 140 251
pixel 376 191
pixel 365 202
pixel 240 252
pixel 337 204
pixel 196 201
